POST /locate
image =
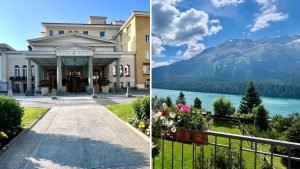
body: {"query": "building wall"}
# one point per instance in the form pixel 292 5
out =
pixel 93 31
pixel 142 48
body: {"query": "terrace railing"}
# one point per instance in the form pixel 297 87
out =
pixel 232 141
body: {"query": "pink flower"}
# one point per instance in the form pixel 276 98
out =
pixel 185 109
pixel 179 105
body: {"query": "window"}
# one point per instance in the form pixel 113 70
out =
pixel 85 32
pixel 17 71
pixel 147 55
pixel 114 70
pixel 127 70
pixel 60 32
pixel 76 31
pixel 32 70
pixel 121 37
pixel 129 29
pixel 146 69
pixel 70 31
pixel 128 84
pixel 147 83
pixel 147 38
pixel 102 34
pixel 50 32
pixel 121 70
pixel 24 70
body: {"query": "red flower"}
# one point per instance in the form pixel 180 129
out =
pixel 164 113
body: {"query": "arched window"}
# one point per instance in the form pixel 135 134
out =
pixel 32 70
pixel 121 70
pixel 24 70
pixel 17 70
pixel 127 70
pixel 114 70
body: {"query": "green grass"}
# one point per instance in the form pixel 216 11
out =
pixel 123 111
pixel 208 149
pixel 31 115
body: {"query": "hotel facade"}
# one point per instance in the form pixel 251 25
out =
pixel 75 57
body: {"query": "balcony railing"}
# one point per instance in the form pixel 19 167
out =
pixel 236 144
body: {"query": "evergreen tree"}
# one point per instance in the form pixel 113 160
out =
pixel 181 98
pixel 250 100
pixel 197 103
pixel 261 117
pixel 169 101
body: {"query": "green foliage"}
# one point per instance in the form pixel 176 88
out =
pixel 181 98
pixel 222 107
pixel 293 135
pixel 169 101
pixel 221 161
pixel 244 118
pixel 281 124
pixel 10 115
pixel 196 121
pixel 197 103
pixel 44 83
pixel 157 102
pixel 155 147
pixel 141 107
pixel 250 100
pixel 261 117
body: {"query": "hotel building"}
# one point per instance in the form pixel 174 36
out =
pixel 74 57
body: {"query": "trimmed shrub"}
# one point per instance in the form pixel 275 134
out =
pixel 223 107
pixel 10 115
pixel 141 107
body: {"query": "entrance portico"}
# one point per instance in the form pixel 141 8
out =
pixel 78 64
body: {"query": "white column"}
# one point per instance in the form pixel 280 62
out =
pixel 29 78
pixel 117 74
pixel 37 78
pixel 4 64
pixel 90 67
pixel 59 73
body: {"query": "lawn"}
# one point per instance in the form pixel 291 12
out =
pixel 31 115
pixel 208 149
pixel 123 111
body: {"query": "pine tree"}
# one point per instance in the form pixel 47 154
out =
pixel 181 98
pixel 250 100
pixel 197 103
pixel 169 101
pixel 261 117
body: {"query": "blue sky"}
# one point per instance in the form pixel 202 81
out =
pixel 21 20
pixel 183 28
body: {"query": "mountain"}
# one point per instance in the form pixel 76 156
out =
pixel 272 63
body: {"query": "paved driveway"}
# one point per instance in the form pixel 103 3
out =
pixel 78 133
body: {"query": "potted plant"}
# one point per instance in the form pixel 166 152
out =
pixel 104 82
pixel 197 123
pixel 44 85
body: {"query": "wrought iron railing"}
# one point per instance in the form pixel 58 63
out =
pixel 235 145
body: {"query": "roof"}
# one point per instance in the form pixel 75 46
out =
pixel 79 24
pixel 70 34
pixel 7 47
pixel 134 13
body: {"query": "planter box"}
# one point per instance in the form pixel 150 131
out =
pixel 200 138
pixel 45 91
pixel 105 89
pixel 188 136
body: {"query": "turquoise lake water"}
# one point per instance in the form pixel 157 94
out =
pixel 282 106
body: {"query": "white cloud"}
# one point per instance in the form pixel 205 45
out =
pixel 222 3
pixel 267 15
pixel 176 28
pixel 179 53
pixel 157 47
pixel 164 63
pixel 193 49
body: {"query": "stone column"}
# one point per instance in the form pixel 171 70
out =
pixel 29 91
pixel 90 71
pixel 37 78
pixel 117 74
pixel 4 64
pixel 106 71
pixel 59 73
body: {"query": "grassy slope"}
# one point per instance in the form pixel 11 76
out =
pixel 31 115
pixel 123 111
pixel 188 153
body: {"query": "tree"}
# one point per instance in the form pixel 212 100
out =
pixel 169 101
pixel 181 98
pixel 261 117
pixel 250 100
pixel 293 135
pixel 222 106
pixel 197 103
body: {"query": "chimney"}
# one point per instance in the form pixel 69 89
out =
pixel 97 20
pixel 118 22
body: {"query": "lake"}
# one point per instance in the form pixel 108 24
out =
pixel 282 106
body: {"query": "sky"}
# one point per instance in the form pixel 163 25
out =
pixel 183 28
pixel 21 20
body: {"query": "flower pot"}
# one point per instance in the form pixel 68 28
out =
pixel 105 89
pixel 45 91
pixel 183 135
pixel 200 138
pixel 96 88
